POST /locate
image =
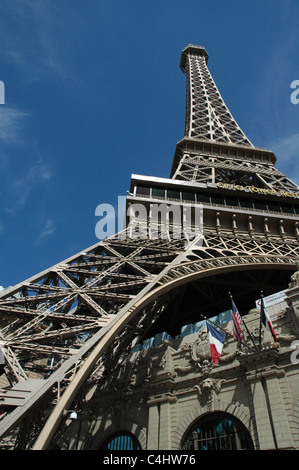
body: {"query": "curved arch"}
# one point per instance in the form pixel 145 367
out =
pixel 237 410
pixel 121 440
pixel 172 277
pixel 217 430
pixel 193 270
pixel 137 431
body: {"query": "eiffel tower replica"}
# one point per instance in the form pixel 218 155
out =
pixel 67 326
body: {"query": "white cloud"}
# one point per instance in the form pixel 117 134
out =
pixel 41 53
pixel 47 230
pixel 23 186
pixel 11 121
pixel 288 147
pixel 19 177
pixel 286 150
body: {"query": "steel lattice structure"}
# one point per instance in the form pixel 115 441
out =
pixel 69 325
pixel 207 116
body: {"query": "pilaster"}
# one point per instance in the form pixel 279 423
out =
pixel 270 410
pixel 153 426
pixel 162 417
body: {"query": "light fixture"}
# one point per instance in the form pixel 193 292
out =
pixel 72 414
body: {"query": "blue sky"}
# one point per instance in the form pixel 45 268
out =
pixel 94 93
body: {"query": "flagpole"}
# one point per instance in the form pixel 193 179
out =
pixel 249 334
pixel 260 335
pixel 226 332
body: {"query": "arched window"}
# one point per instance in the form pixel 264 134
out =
pixel 122 440
pixel 217 431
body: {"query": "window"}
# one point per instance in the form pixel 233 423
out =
pixel 287 208
pixel 203 197
pixel 173 194
pixel 260 204
pixel 122 440
pixel 143 190
pixel 217 199
pixel 218 431
pixel 232 201
pixel 188 196
pixel 158 192
pixel 244 202
pixel 273 207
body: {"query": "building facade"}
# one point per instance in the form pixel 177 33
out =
pixel 169 395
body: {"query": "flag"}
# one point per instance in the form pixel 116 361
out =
pixel 266 320
pixel 236 317
pixel 216 339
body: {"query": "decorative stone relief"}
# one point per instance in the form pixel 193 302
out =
pixel 292 299
pixel 286 339
pixel 295 277
pixel 155 364
pixel 207 388
pixel 199 356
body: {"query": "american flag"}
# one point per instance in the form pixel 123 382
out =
pixel 237 330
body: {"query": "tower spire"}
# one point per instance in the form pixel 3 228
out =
pixel 214 149
pixel 207 116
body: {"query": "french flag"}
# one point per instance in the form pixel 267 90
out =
pixel 266 320
pixel 216 339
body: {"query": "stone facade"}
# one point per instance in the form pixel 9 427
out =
pixel 158 393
